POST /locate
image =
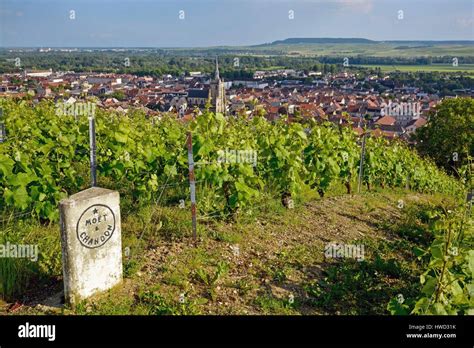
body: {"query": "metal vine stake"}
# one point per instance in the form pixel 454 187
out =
pixel 192 183
pixel 93 158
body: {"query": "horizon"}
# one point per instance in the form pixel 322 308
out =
pixel 451 41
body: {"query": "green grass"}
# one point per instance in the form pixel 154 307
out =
pixel 17 274
pixel 468 68
pixel 381 49
pixel 272 68
pixel 280 268
pixel 272 305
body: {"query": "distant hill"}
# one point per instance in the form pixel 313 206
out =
pixel 322 40
pixel 305 40
pixel 428 42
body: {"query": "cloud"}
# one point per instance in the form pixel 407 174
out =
pixel 364 6
pixel 466 22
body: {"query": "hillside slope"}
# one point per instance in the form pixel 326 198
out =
pixel 272 262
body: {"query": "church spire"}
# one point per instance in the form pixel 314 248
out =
pixel 216 75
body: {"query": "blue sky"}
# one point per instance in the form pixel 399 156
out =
pixel 156 23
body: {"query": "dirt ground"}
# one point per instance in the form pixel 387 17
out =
pixel 273 263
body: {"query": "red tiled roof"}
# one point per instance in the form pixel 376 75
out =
pixel 358 130
pixel 386 120
pixel 420 122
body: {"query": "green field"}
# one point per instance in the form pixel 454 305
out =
pixel 275 67
pixel 380 49
pixel 468 68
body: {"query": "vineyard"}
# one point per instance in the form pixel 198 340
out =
pixel 46 158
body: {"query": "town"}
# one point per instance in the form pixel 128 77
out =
pixel 341 97
pixel 236 170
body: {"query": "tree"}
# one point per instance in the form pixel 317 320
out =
pixel 448 138
pixel 119 95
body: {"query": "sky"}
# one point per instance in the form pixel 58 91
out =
pixel 203 23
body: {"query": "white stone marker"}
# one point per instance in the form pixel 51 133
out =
pixel 91 242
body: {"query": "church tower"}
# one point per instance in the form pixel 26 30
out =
pixel 217 92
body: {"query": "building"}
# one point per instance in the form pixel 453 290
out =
pixel 198 97
pixel 250 84
pixel 414 124
pixel 217 92
pixel 37 73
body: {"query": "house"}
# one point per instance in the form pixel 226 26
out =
pixel 413 125
pixel 197 97
pixel 386 121
pixel 37 73
pixel 179 104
